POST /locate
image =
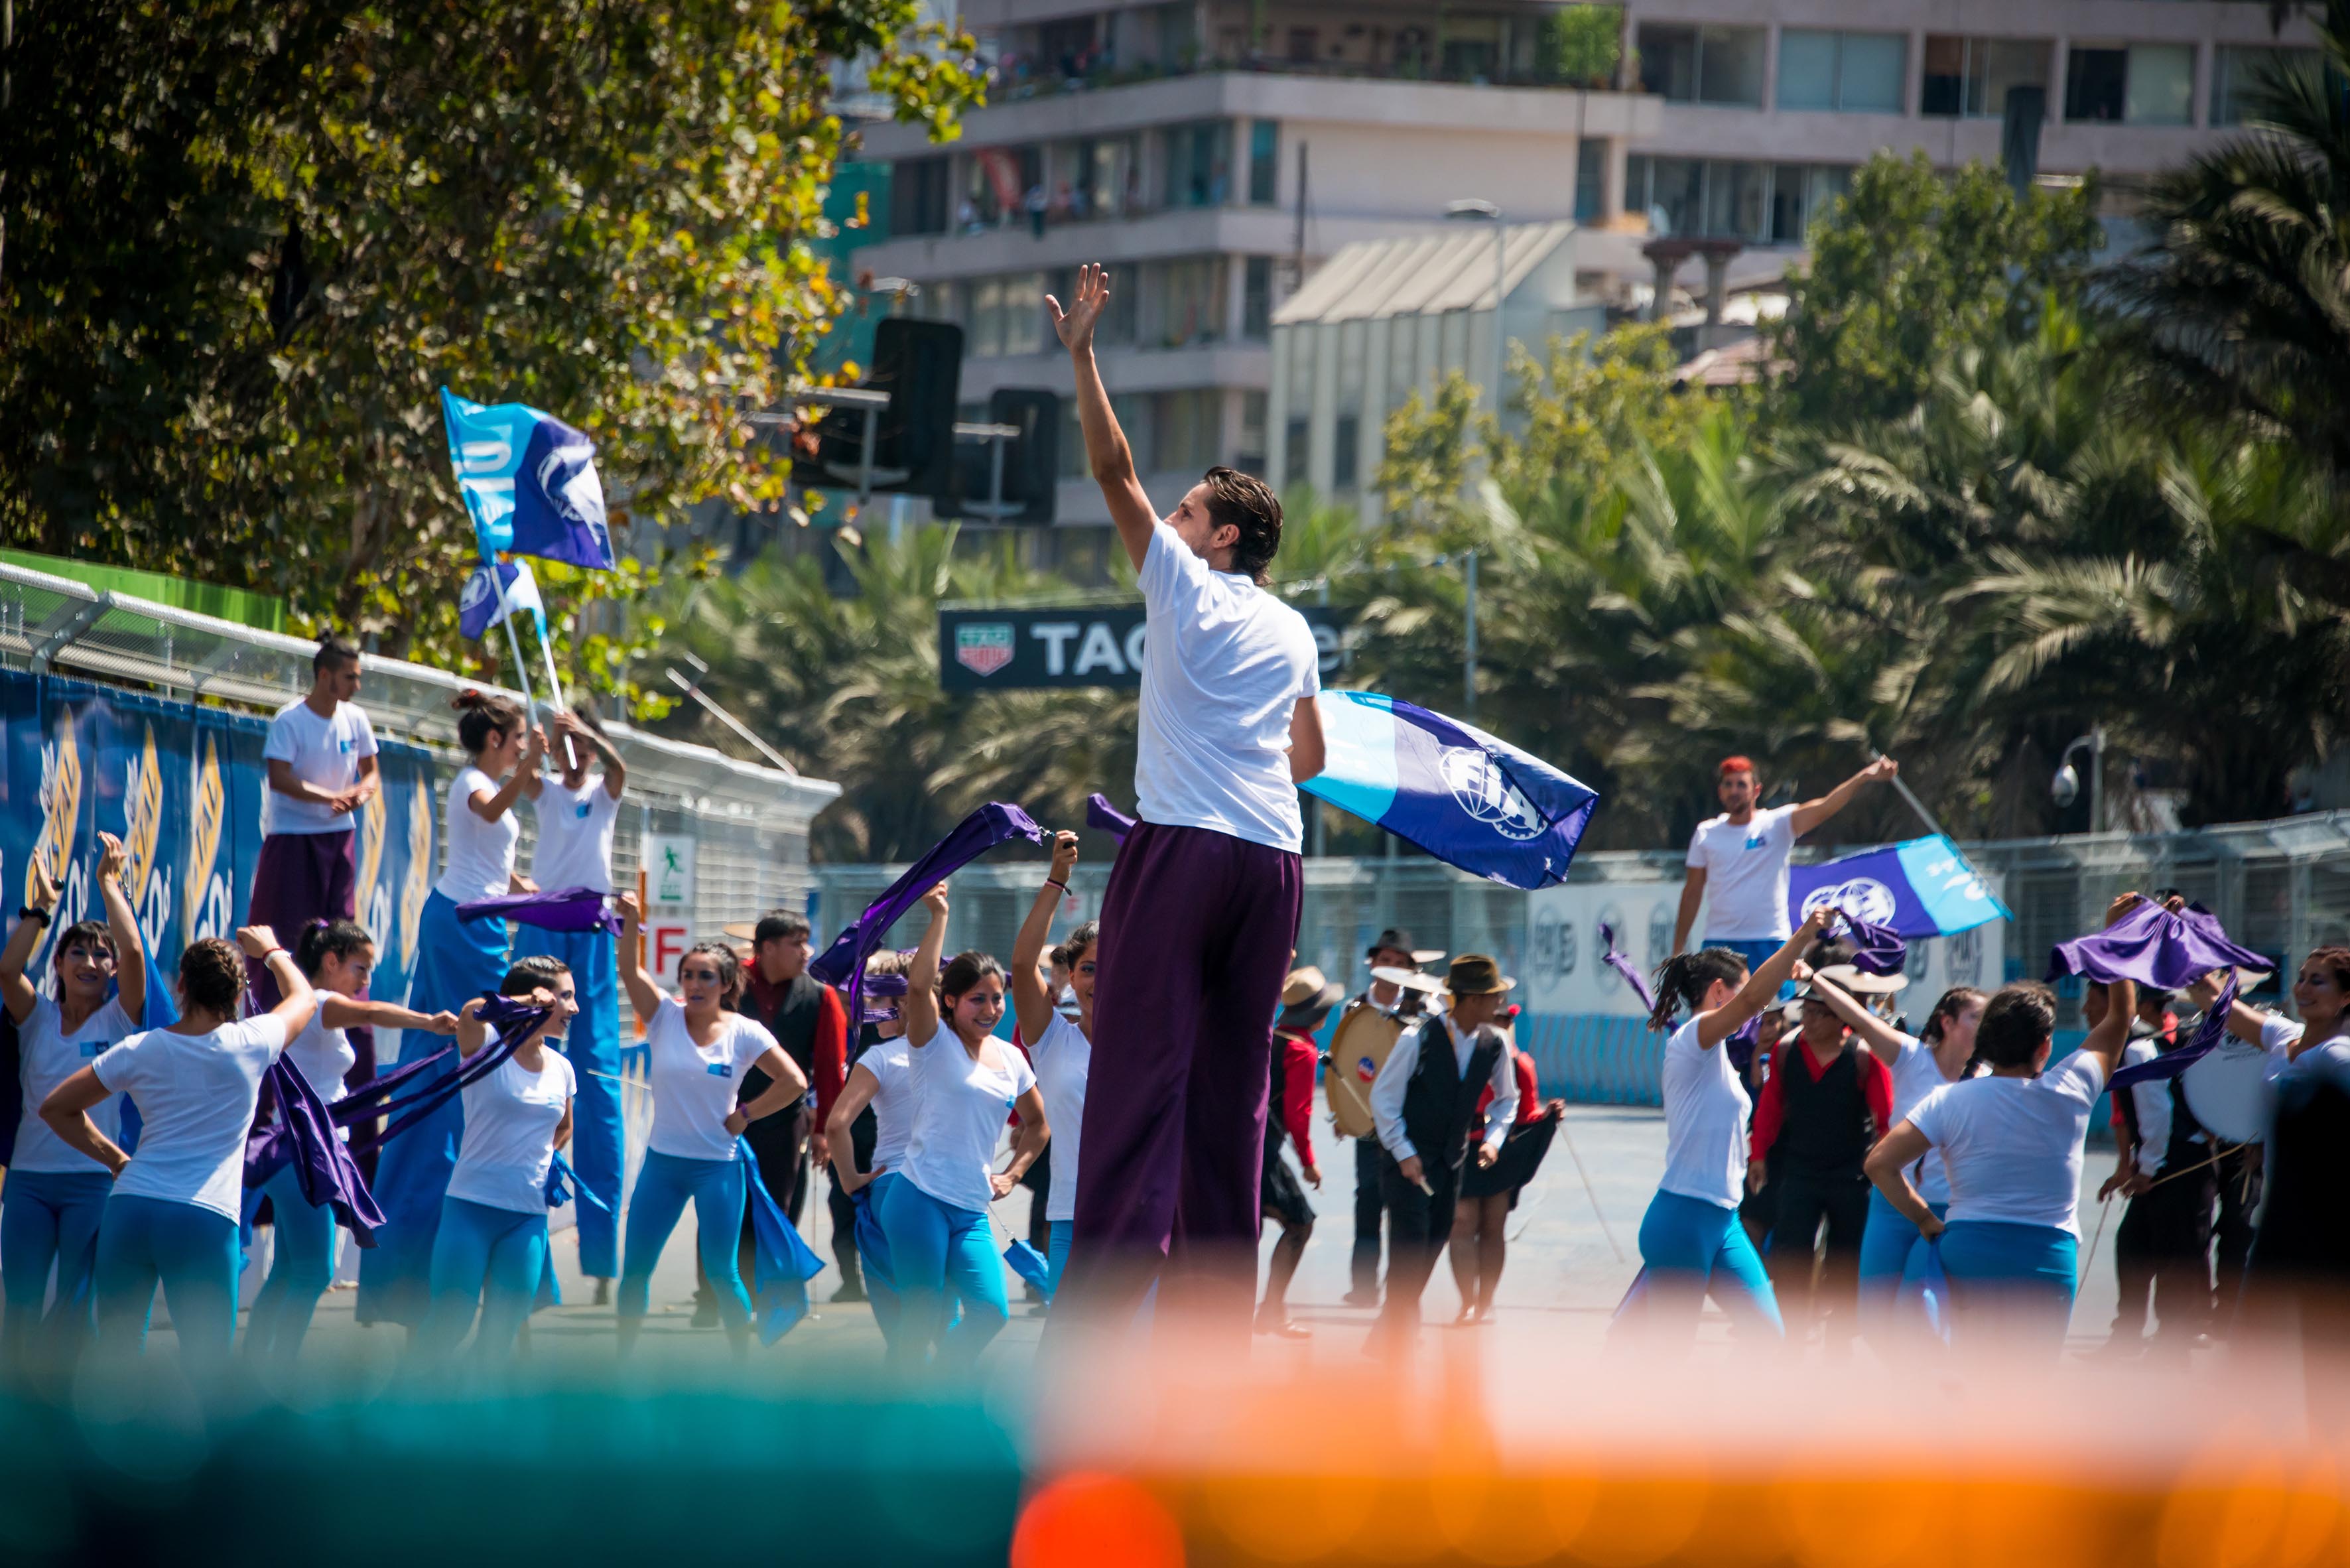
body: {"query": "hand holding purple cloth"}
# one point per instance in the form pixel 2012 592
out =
pixel 1877 950
pixel 2153 945
pixel 563 909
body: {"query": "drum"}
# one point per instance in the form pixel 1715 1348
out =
pixel 1359 1047
pixel 2228 1090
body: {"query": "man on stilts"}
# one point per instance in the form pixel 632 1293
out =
pixel 1200 914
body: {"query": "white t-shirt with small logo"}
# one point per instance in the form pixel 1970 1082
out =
pixel 695 1087
pixel 322 752
pixel 960 1106
pixel 2013 1145
pixel 196 1096
pixel 894 1102
pixel 1706 1107
pixel 481 854
pixel 48 1057
pixel 511 1116
pixel 575 835
pixel 1745 867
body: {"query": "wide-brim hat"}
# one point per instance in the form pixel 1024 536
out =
pixel 1475 974
pixel 1306 998
pixel 742 930
pixel 1860 983
pixel 1394 940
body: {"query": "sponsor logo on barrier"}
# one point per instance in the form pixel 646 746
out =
pixel 984 648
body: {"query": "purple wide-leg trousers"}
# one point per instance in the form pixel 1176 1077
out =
pixel 1197 932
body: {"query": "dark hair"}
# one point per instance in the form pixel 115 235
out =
pixel 778 926
pixel 889 960
pixel 323 938
pixel 528 974
pixel 2153 994
pixel 92 931
pixel 1735 765
pixel 1953 1002
pixel 2335 961
pixel 481 715
pixel 1687 977
pixel 212 975
pixel 729 962
pixel 2016 1022
pixel 1080 943
pixel 965 970
pixel 332 650
pixel 1249 504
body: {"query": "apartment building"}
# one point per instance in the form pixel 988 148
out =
pixel 1213 154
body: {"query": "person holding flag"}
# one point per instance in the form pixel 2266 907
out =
pixel 1738 861
pixel 321 757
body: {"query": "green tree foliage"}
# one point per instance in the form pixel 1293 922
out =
pixel 247 242
pixel 1580 44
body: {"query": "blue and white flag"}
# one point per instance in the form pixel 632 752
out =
pixel 1467 798
pixel 1921 888
pixel 529 481
pixel 477 607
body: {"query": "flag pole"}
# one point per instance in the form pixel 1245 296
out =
pixel 514 639
pixel 554 683
pixel 1901 786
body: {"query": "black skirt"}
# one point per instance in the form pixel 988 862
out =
pixel 1281 1193
pixel 1522 1155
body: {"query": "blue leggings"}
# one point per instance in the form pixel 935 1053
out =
pixel 717 1188
pixel 301 1265
pixel 192 1252
pixel 47 1217
pixel 1884 1254
pixel 2014 1282
pixel 1693 1249
pixel 935 1247
pixel 881 1287
pixel 1059 1256
pixel 492 1257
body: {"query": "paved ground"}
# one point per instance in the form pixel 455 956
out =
pixel 1573 1254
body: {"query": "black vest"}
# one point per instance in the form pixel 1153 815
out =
pixel 793 1024
pixel 1439 1101
pixel 1826 1129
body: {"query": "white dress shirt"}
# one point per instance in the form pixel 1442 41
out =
pixel 1395 1074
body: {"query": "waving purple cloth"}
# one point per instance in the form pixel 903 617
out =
pixel 983 830
pixel 1877 950
pixel 1100 814
pixel 1614 958
pixel 563 909
pixel 2171 1064
pixel 306 1135
pixel 2154 947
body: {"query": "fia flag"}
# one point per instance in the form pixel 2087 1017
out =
pixel 477 607
pixel 1467 798
pixel 529 481
pixel 1922 887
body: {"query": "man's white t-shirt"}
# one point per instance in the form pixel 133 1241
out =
pixel 47 1057
pixel 575 835
pixel 893 1101
pixel 511 1116
pixel 960 1105
pixel 695 1087
pixel 1224 665
pixel 1706 1107
pixel 1063 1058
pixel 1745 867
pixel 2013 1145
pixel 323 751
pixel 481 854
pixel 196 1096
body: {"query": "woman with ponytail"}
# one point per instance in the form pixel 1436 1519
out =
pixel 336 957
pixel 1692 1245
pixel 456 960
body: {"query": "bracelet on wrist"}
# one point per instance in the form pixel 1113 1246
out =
pixel 1049 882
pixel 34 913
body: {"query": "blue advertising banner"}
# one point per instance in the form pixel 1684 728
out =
pixel 183 787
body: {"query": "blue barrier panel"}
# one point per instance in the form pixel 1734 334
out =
pixel 1594 1058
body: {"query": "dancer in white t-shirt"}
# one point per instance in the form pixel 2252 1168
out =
pixel 879 1082
pixel 55 1196
pixel 964 1080
pixel 172 1218
pixel 1060 1049
pixel 2010 1141
pixel 1738 861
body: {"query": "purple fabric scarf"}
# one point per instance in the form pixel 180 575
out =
pixel 563 909
pixel 1100 814
pixel 1614 958
pixel 2154 947
pixel 1877 950
pixel 2171 1064
pixel 322 1161
pixel 983 830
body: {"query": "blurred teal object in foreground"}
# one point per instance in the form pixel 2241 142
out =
pixel 572 1478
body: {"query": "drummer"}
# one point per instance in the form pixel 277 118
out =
pixel 1393 950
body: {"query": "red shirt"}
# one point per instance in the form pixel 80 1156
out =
pixel 1770 1107
pixel 1299 1057
pixel 1529 1092
pixel 830 1047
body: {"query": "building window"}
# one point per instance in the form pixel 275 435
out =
pixel 1801 194
pixel 1345 451
pixel 1256 299
pixel 1189 430
pixel 2093 82
pixel 1677 195
pixel 1856 73
pixel 2237 70
pixel 1590 178
pixel 1969 78
pixel 1106 184
pixel 1199 164
pixel 1250 458
pixel 1295 455
pixel 1702 65
pixel 1737 199
pixel 997 184
pixel 2139 84
pixel 918 196
pixel 1264 160
pixel 1183 302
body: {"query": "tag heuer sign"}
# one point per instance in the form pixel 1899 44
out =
pixel 985 647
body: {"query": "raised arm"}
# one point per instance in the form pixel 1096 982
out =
pixel 122 928
pixel 2106 1041
pixel 922 974
pixel 298 1001
pixel 1030 1004
pixel 1880 1037
pixel 644 996
pixel 615 771
pixel 1812 813
pixel 1108 457
pixel 492 804
pixel 338 1012
pixel 14 989
pixel 1760 987
pixel 2243 1022
pixel 1692 896
pixel 1308 753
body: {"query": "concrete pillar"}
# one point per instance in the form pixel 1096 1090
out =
pixel 2058 69
pixel 1771 68
pixel 1276 406
pixel 1370 443
pixel 1236 296
pixel 1717 285
pixel 1913 88
pixel 1612 180
pixel 2207 68
pixel 1322 434
pixel 1661 305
